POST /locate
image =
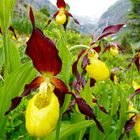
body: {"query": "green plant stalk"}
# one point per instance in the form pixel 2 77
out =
pixel 3 95
pixel 58 128
pixel 77 47
pixel 5 44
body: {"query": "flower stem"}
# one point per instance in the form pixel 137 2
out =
pixel 5 45
pixel 58 128
pixel 76 47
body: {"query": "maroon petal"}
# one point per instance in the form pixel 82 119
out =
pixel 60 89
pixel 86 110
pixel 43 52
pixel 12 30
pixel 137 63
pixel 32 86
pixel 134 94
pixel 128 126
pixel 85 62
pixel 61 4
pixel 75 20
pixel 99 105
pixel 74 67
pixel 97 49
pixel 80 80
pixel 112 29
pixel 55 14
pixel 31 15
pixel 92 82
pixel 92 43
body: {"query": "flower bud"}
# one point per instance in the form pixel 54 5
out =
pixel 114 51
pixel 42 112
pixel 97 70
pixel 60 18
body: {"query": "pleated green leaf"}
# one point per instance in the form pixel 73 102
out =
pixel 66 60
pixel 13 86
pixel 13 56
pixel 67 130
pixel 6 8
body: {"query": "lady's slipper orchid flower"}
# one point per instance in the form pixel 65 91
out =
pixel 62 16
pixel 97 69
pixel 114 51
pixel 136 60
pixel 43 109
pixel 113 48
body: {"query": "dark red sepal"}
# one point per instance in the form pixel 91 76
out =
pixel 32 86
pixel 136 61
pixel 75 20
pixel 60 89
pixel 11 28
pixel 80 80
pixel 99 105
pixel 74 66
pixel 85 61
pixel 128 126
pixel 134 94
pixel 86 110
pixel 97 49
pixel 31 15
pixel 92 82
pixel 112 29
pixel 61 4
pixel 92 43
pixel 55 14
pixel 43 53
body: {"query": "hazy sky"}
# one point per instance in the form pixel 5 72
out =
pixel 93 8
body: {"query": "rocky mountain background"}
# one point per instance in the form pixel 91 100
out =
pixel 116 13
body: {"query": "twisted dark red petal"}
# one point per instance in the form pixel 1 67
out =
pixel 75 20
pixel 112 29
pixel 55 14
pixel 129 124
pixel 31 15
pixel 60 89
pixel 32 86
pixel 87 110
pixel 61 4
pixel 43 51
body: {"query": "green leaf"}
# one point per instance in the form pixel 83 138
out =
pixel 6 9
pixel 67 130
pixel 123 110
pixel 13 86
pixel 66 60
pixel 13 55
